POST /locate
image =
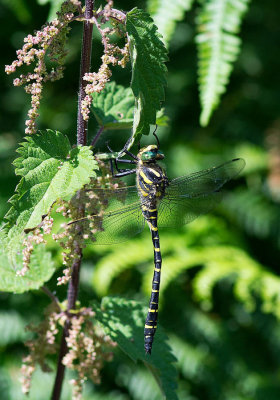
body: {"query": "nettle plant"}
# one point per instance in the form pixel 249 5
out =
pixel 58 179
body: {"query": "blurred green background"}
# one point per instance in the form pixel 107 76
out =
pixel 220 302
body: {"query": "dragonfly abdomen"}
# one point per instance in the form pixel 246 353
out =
pixel 152 316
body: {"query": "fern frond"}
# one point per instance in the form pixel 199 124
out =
pixel 218 47
pixel 173 266
pixel 121 258
pixel 256 213
pixel 250 279
pixel 166 14
pixel 126 256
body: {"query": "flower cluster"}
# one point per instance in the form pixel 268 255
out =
pixel 34 238
pixel 44 344
pixel 88 218
pixel 50 40
pixel 88 347
pixel 113 55
pixel 87 350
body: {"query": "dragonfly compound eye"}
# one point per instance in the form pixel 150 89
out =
pixel 148 155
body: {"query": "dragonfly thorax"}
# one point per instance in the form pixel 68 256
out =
pixel 151 182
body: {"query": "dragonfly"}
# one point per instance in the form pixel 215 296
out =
pixel 159 202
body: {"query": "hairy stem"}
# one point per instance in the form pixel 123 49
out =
pixel 82 125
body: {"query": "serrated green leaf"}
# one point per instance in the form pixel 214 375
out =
pixel 123 320
pixel 50 170
pixel 40 271
pixel 113 107
pixel 148 56
pixel 218 47
pixel 166 14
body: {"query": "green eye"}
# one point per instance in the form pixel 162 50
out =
pixel 148 155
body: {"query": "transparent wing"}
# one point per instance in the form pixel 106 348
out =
pixel 122 218
pixel 189 196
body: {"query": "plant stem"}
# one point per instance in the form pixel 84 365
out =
pixel 82 125
pixel 97 136
pixel 47 291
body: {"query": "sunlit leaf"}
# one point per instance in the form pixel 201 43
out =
pixel 148 56
pixel 123 321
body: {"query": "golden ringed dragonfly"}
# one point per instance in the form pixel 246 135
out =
pixel 161 203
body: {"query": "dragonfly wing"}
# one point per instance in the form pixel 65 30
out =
pixel 189 196
pixel 121 225
pixel 122 218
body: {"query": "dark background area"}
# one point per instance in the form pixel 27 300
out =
pixel 222 314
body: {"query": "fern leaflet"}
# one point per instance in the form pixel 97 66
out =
pixel 218 47
pixel 166 13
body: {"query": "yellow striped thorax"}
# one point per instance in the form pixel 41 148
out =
pixel 151 178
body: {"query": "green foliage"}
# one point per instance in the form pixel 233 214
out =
pixel 54 7
pixel 148 56
pixel 257 214
pixel 41 267
pixel 113 107
pixel 140 384
pixel 219 315
pixel 189 358
pixel 123 321
pixel 12 327
pixel 118 260
pixel 50 170
pixel 20 8
pixel 166 14
pixel 218 47
pixel 183 252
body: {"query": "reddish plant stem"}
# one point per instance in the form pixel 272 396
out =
pixel 82 125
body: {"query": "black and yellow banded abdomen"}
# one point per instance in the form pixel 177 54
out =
pixel 151 183
pixel 152 316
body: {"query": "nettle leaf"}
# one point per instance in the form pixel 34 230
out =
pixel 218 47
pixel 113 107
pixel 123 320
pixel 40 271
pixel 50 170
pixel 166 14
pixel 148 56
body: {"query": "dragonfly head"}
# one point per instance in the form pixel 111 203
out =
pixel 150 153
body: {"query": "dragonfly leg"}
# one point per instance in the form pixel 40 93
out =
pixel 121 172
pixel 124 172
pixel 130 154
